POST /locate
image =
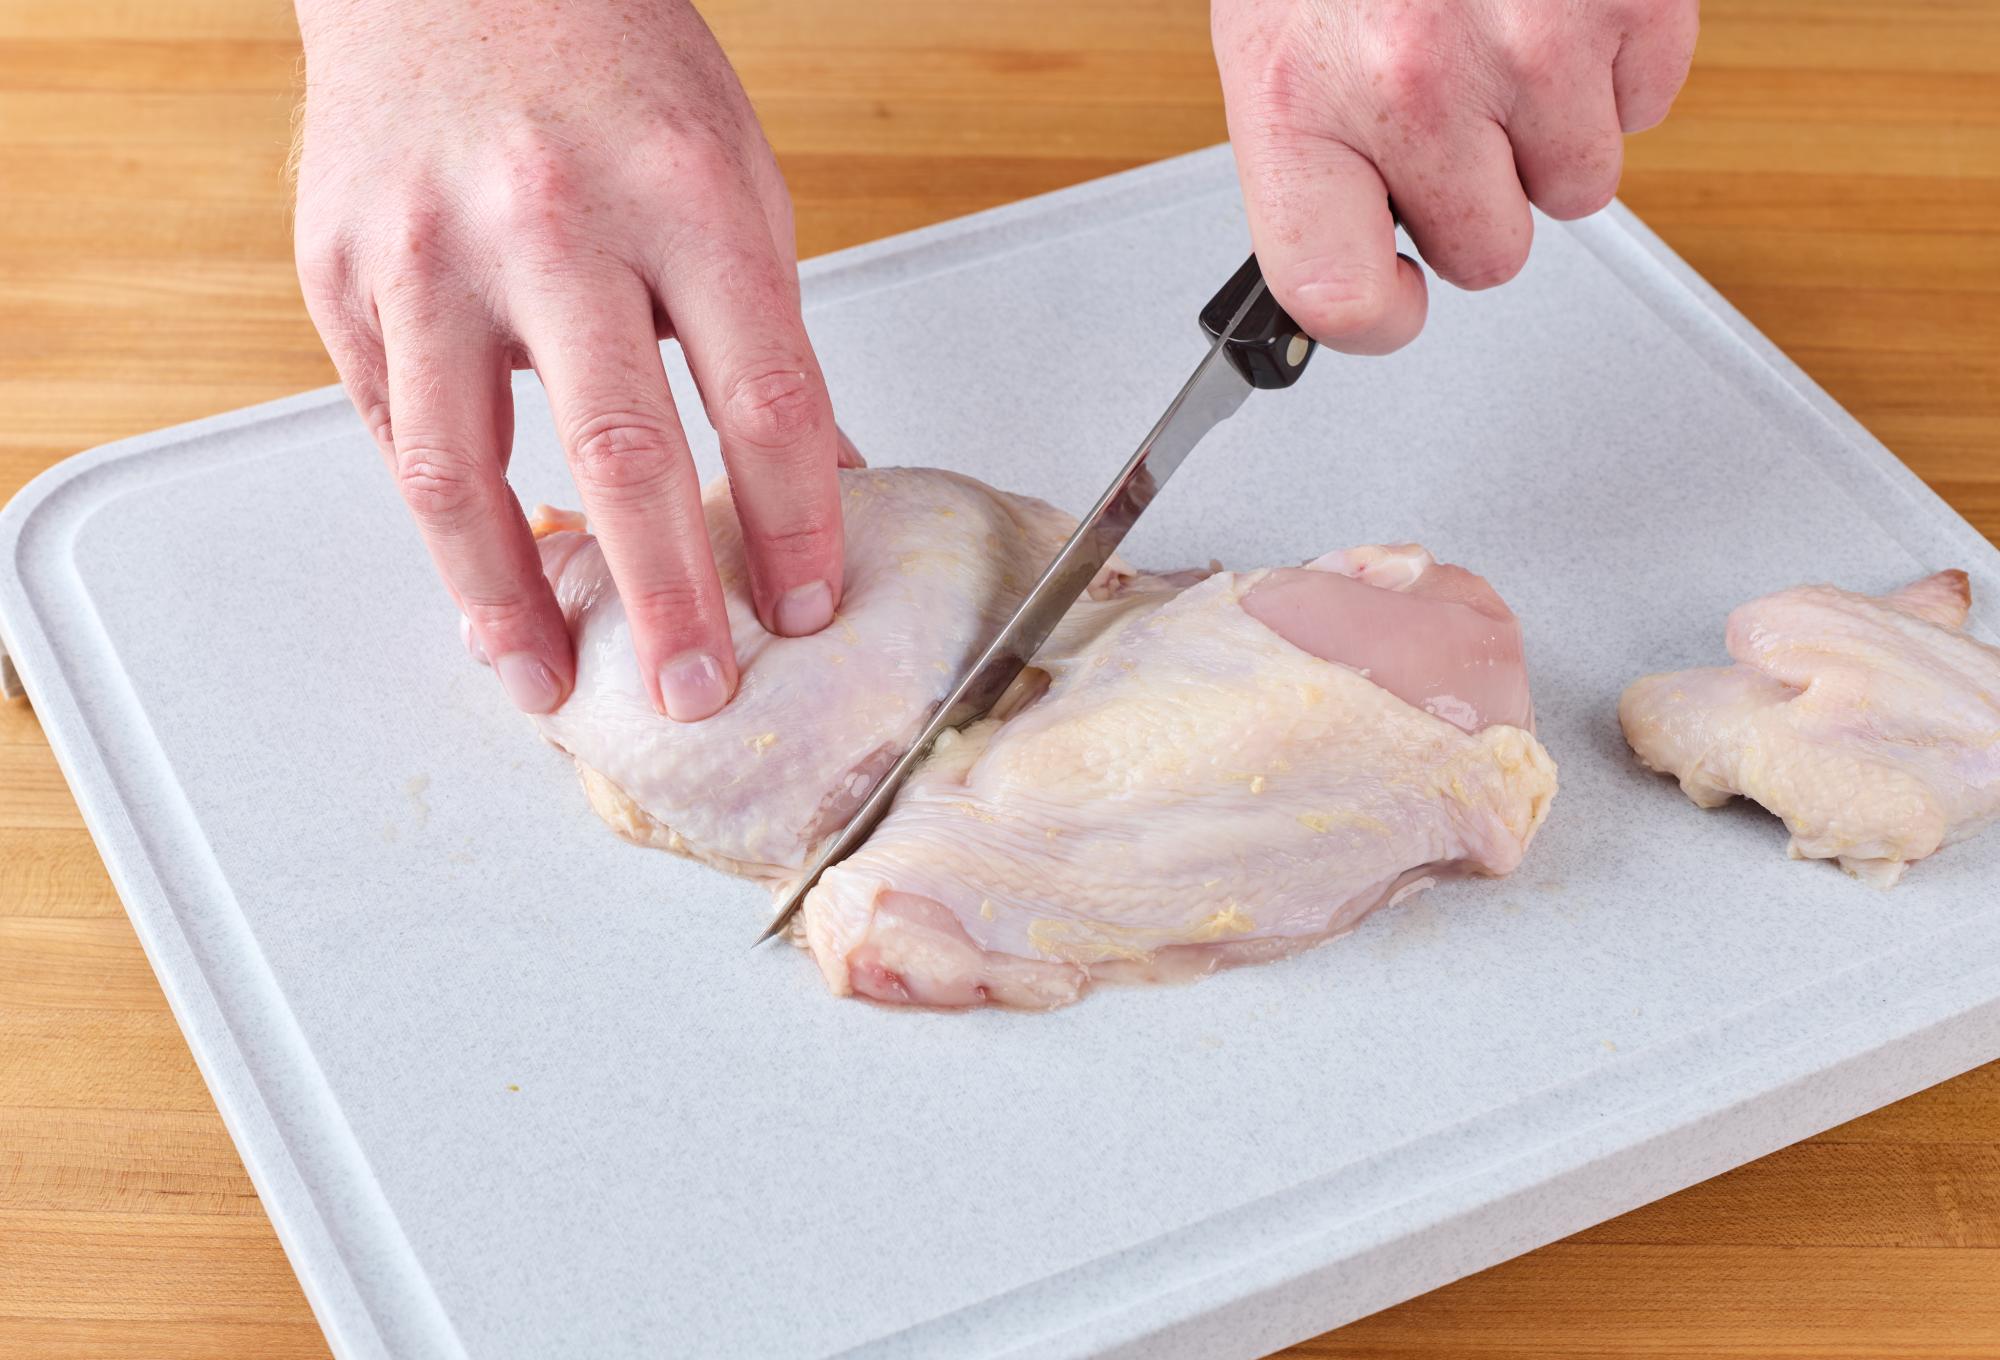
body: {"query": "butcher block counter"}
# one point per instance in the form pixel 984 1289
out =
pixel 1833 168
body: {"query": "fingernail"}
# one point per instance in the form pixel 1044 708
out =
pixel 528 682
pixel 692 687
pixel 805 609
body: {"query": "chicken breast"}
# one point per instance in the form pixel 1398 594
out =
pixel 1226 774
pixel 1871 726
pixel 1200 770
pixel 935 564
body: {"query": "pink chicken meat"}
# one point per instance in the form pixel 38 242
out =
pixel 1243 769
pixel 1203 770
pixel 1870 725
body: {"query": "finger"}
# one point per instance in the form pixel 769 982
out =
pixel 594 346
pixel 775 200
pixel 345 320
pixel 452 419
pixel 777 204
pixel 1461 201
pixel 364 373
pixel 347 328
pixel 1652 63
pixel 1568 149
pixel 1326 240
pixel 736 312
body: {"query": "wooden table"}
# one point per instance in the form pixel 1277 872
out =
pixel 1833 167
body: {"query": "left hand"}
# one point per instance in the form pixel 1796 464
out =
pixel 1462 111
pixel 485 183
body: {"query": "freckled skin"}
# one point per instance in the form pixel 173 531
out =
pixel 1870 725
pixel 492 183
pixel 1461 114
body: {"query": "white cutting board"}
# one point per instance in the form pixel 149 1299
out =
pixel 379 906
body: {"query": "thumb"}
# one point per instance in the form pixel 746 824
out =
pixel 1326 239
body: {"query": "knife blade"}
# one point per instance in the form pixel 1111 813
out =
pixel 1253 344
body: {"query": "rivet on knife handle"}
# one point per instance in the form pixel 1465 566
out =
pixel 1268 347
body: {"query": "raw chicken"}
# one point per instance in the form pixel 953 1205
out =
pixel 935 564
pixel 1870 725
pixel 1199 771
pixel 1212 779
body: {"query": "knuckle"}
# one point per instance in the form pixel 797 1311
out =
pixel 702 163
pixel 411 257
pixel 622 454
pixel 804 539
pixel 325 262
pixel 1412 90
pixel 1577 195
pixel 1278 71
pixel 772 410
pixel 1277 95
pixel 1572 176
pixel 499 610
pixel 374 412
pixel 535 192
pixel 536 167
pixel 1413 72
pixel 705 171
pixel 441 486
pixel 1644 101
pixel 1487 266
pixel 1534 59
pixel 669 605
pixel 420 230
pixel 1537 45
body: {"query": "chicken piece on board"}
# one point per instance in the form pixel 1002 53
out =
pixel 1223 775
pixel 935 564
pixel 1870 725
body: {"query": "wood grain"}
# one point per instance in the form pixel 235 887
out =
pixel 1833 167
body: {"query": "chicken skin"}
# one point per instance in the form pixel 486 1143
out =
pixel 936 563
pixel 1217 779
pixel 1870 725
pixel 1199 771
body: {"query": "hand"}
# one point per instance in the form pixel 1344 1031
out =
pixel 490 184
pixel 1463 112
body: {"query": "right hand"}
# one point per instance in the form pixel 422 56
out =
pixel 1464 114
pixel 490 184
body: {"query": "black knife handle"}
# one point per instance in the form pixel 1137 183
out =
pixel 1268 349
